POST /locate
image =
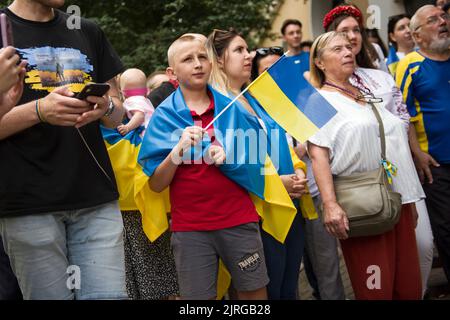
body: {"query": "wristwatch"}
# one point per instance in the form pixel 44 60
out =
pixel 111 108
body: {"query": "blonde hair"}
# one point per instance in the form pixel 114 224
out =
pixel 187 37
pixel 317 76
pixel 216 47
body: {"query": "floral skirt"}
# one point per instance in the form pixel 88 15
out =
pixel 150 266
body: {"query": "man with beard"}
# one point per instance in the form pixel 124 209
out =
pixel 424 78
pixel 59 217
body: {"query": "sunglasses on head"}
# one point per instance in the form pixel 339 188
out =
pixel 271 50
pixel 216 31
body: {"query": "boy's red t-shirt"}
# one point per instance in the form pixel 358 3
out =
pixel 203 198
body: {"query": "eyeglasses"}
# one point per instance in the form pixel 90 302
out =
pixel 433 20
pixel 369 98
pixel 270 50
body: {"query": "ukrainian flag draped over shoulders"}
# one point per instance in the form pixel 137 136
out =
pixel 277 146
pixel 284 156
pixel 132 183
pixel 254 173
pixel 123 152
pixel 285 94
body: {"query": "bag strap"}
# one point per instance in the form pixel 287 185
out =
pixel 382 134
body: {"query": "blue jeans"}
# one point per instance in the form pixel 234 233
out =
pixel 70 254
pixel 283 261
pixel 9 288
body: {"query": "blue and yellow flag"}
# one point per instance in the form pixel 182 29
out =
pixel 132 183
pixel 285 159
pixel 123 152
pixel 135 193
pixel 254 172
pixel 258 176
pixel 392 60
pixel 286 96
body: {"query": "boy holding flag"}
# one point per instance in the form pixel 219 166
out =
pixel 212 214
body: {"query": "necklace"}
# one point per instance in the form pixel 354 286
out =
pixel 360 83
pixel 366 96
pixel 344 90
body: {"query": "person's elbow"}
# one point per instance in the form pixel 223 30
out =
pixel 155 186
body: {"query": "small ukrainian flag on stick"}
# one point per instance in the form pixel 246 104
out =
pixel 290 100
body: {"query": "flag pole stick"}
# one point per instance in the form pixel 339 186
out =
pixel 226 108
pixel 240 95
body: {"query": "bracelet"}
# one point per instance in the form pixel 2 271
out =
pixel 111 108
pixel 38 111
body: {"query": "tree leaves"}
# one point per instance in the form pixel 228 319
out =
pixel 141 31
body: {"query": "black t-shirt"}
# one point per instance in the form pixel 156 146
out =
pixel 48 168
pixel 160 94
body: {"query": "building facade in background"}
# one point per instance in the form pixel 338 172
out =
pixel 311 13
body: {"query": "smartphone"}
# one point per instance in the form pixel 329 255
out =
pixel 6 31
pixel 93 89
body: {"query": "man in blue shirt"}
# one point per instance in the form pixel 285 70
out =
pixel 424 78
pixel 292 35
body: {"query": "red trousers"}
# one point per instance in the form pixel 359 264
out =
pixel 385 267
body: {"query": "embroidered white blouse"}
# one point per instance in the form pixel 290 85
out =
pixel 353 140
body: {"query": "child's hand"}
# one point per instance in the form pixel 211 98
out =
pixel 123 129
pixel 295 186
pixel 191 137
pixel 299 186
pixel 217 155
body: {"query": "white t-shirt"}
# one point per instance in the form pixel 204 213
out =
pixel 380 63
pixel 352 138
pixel 400 55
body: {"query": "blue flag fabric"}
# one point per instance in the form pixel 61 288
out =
pixel 254 172
pixel 285 94
pixel 392 60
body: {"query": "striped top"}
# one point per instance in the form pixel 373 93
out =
pixel 352 138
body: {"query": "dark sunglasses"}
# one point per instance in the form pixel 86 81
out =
pixel 271 50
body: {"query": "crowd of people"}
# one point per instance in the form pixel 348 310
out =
pixel 60 204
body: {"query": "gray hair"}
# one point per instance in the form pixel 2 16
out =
pixel 415 23
pixel 317 76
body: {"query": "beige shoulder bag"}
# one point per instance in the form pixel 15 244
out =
pixel 372 207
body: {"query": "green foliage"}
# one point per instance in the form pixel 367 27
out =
pixel 141 31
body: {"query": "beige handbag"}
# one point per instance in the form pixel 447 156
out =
pixel 372 207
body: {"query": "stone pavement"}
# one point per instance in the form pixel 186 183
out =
pixel 437 284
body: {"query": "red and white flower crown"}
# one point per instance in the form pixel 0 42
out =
pixel 348 10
